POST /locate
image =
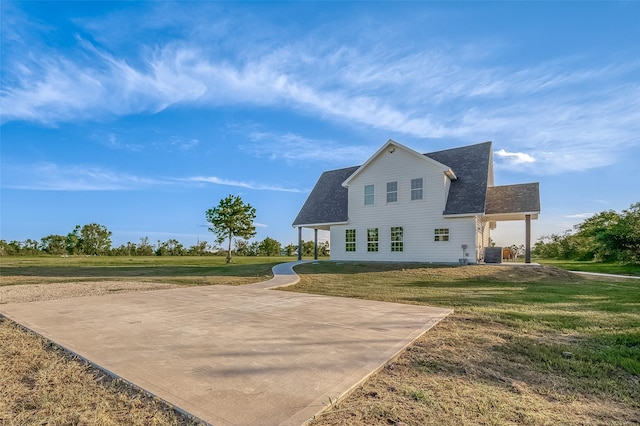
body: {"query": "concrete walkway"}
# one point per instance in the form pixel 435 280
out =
pixel 233 355
pixel 599 274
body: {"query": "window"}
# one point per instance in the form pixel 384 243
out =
pixel 392 192
pixel 441 234
pixel 372 239
pixel 416 189
pixel 396 239
pixel 350 239
pixel 368 195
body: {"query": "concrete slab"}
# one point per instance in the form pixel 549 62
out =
pixel 233 355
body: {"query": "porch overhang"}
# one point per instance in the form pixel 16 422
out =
pixel 501 217
pixel 321 226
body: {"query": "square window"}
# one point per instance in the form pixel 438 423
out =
pixel 372 239
pixel 368 195
pixel 392 192
pixel 416 189
pixel 441 234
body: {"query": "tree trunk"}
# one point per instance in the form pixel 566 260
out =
pixel 229 249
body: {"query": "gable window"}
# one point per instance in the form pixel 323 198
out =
pixel 392 192
pixel 350 239
pixel 368 195
pixel 441 234
pixel 397 238
pixel 372 239
pixel 416 189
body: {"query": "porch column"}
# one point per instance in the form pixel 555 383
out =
pixel 315 244
pixel 299 242
pixel 527 253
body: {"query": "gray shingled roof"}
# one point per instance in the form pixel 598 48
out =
pixel 468 194
pixel 471 166
pixel 328 201
pixel 521 198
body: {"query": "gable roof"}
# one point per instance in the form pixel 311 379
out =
pixel 392 145
pixel 468 192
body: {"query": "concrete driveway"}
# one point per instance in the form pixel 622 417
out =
pixel 233 355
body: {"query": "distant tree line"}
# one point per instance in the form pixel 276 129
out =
pixel 607 236
pixel 95 240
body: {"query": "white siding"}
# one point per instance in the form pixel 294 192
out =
pixel 418 218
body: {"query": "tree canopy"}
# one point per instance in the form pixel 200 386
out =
pixel 607 236
pixel 231 218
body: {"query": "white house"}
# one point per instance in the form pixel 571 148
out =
pixel 401 205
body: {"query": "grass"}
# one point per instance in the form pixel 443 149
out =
pixel 526 345
pixel 600 267
pixel 184 270
pixel 40 384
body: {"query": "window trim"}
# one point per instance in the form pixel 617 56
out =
pixel 369 199
pixel 397 239
pixel 441 234
pixel 392 192
pixel 415 190
pixel 373 240
pixel 350 240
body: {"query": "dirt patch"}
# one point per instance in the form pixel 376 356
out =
pixel 63 290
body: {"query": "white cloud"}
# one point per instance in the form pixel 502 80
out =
pixel 296 148
pixel 53 177
pixel 248 185
pixel 260 225
pixel 579 215
pixel 565 115
pixel 514 158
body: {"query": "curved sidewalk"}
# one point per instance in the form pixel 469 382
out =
pixel 283 276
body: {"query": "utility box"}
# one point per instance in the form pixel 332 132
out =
pixel 493 255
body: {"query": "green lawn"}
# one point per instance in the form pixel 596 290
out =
pixel 190 270
pixel 563 337
pixel 600 267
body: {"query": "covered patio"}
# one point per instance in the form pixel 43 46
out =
pixel 514 202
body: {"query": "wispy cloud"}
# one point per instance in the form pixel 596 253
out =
pixel 54 177
pixel 248 185
pixel 564 114
pixel 579 215
pixel 294 148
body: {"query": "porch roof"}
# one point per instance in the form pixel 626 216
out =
pixel 512 202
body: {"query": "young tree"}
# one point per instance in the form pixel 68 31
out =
pixel 269 247
pixel 95 239
pixel 231 218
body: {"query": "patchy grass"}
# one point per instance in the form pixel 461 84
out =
pixel 183 270
pixel 526 345
pixel 600 267
pixel 40 384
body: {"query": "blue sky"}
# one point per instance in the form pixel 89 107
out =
pixel 141 116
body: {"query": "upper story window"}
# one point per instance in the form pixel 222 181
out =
pixel 372 239
pixel 392 192
pixel 368 195
pixel 350 239
pixel 416 189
